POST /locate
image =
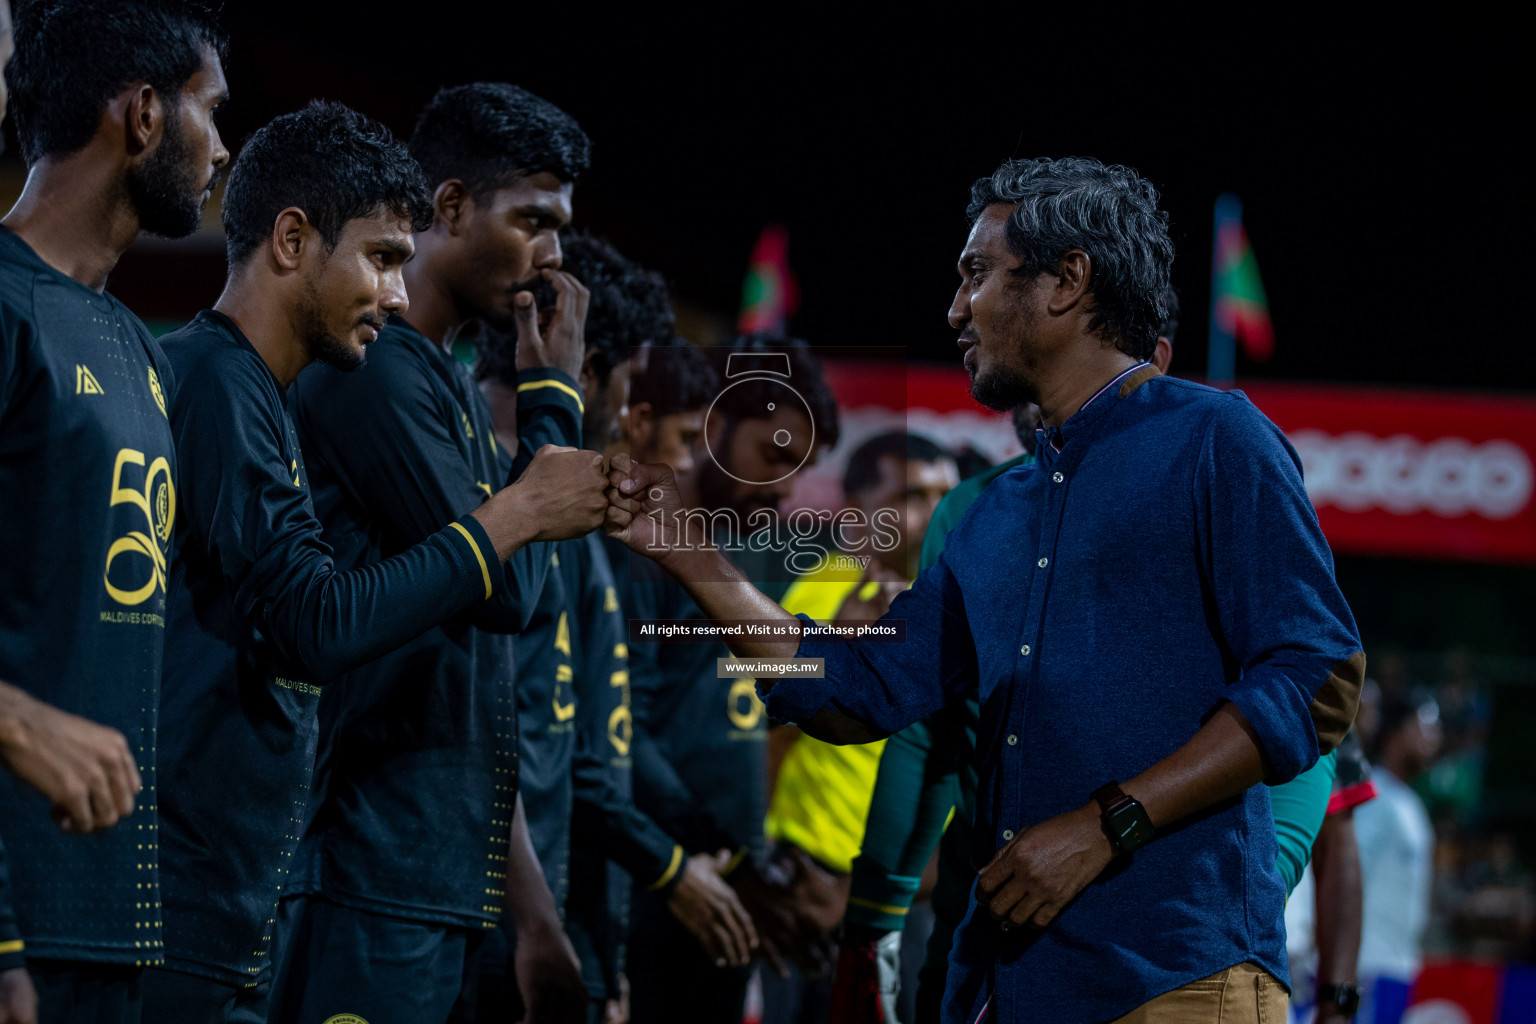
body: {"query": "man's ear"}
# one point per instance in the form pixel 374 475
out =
pixel 1073 274
pixel 1162 355
pixel 292 238
pixel 452 206
pixel 143 113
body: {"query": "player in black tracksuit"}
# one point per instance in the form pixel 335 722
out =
pixel 415 842
pixel 592 838
pixel 700 757
pixel 260 615
pixel 87 471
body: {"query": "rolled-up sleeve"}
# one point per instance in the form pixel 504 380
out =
pixel 1289 631
pixel 888 685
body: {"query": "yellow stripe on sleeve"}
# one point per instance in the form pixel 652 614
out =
pixel 666 876
pixel 14 946
pixel 884 908
pixel 735 862
pixel 562 385
pixel 485 570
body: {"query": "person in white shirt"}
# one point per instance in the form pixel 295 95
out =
pixel 1397 845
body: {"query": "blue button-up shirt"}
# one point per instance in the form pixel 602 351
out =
pixel 1159 557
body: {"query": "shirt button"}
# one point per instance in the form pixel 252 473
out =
pixel 1056 477
pixel 1024 650
pixel 1043 562
pixel 1004 926
pixel 1013 740
pixel 1007 833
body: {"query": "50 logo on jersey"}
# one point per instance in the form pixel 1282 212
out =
pixel 156 502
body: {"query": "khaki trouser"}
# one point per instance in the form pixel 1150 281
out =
pixel 1245 994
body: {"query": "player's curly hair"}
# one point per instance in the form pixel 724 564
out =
pixel 1108 211
pixel 490 135
pixel 674 376
pixel 748 399
pixel 329 161
pixel 73 56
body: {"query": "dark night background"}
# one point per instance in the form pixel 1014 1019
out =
pixel 1382 166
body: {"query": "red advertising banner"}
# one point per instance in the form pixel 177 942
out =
pixel 1418 473
pixel 1409 473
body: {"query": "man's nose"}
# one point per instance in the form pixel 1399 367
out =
pixel 960 310
pixel 395 301
pixel 546 253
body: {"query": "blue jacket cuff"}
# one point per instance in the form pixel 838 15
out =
pixel 795 701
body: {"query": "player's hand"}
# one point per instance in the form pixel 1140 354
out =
pixel 85 769
pixel 861 992
pixel 616 1011
pixel 643 506
pixel 1043 868
pixel 561 343
pixel 709 909
pixel 18 1001
pixel 871 599
pixel 821 899
pixel 769 897
pixel 549 976
pixel 568 489
pixel 559 495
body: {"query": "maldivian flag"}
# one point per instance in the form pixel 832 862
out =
pixel 1238 305
pixel 770 296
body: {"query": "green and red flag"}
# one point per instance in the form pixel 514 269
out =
pixel 1239 307
pixel 770 295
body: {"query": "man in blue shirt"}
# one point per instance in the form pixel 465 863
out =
pixel 1147 614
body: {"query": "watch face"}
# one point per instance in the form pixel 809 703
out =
pixel 1347 999
pixel 1131 827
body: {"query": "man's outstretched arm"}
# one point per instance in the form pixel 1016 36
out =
pixel 854 704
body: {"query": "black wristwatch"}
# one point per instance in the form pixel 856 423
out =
pixel 1125 820
pixel 1345 997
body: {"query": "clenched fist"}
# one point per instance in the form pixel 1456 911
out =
pixel 85 769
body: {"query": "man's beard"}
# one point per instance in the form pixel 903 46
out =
pixel 322 345
pixel 1000 388
pixel 164 192
pixel 719 490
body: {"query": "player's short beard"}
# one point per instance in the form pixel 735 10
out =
pixel 719 490
pixel 163 189
pixel 322 345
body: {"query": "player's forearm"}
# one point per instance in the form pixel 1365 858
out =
pixel 1336 865
pixel 724 593
pixel 1220 761
pixel 528 901
pixel 12 700
pixel 510 519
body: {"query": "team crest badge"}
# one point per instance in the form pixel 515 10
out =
pixel 155 389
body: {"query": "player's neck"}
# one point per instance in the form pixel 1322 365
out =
pixel 1076 376
pixel 434 311
pixel 76 215
pixel 268 323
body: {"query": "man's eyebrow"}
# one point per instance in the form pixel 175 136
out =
pixel 541 210
pixel 398 247
pixel 971 258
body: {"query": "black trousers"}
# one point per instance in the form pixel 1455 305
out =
pixel 78 992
